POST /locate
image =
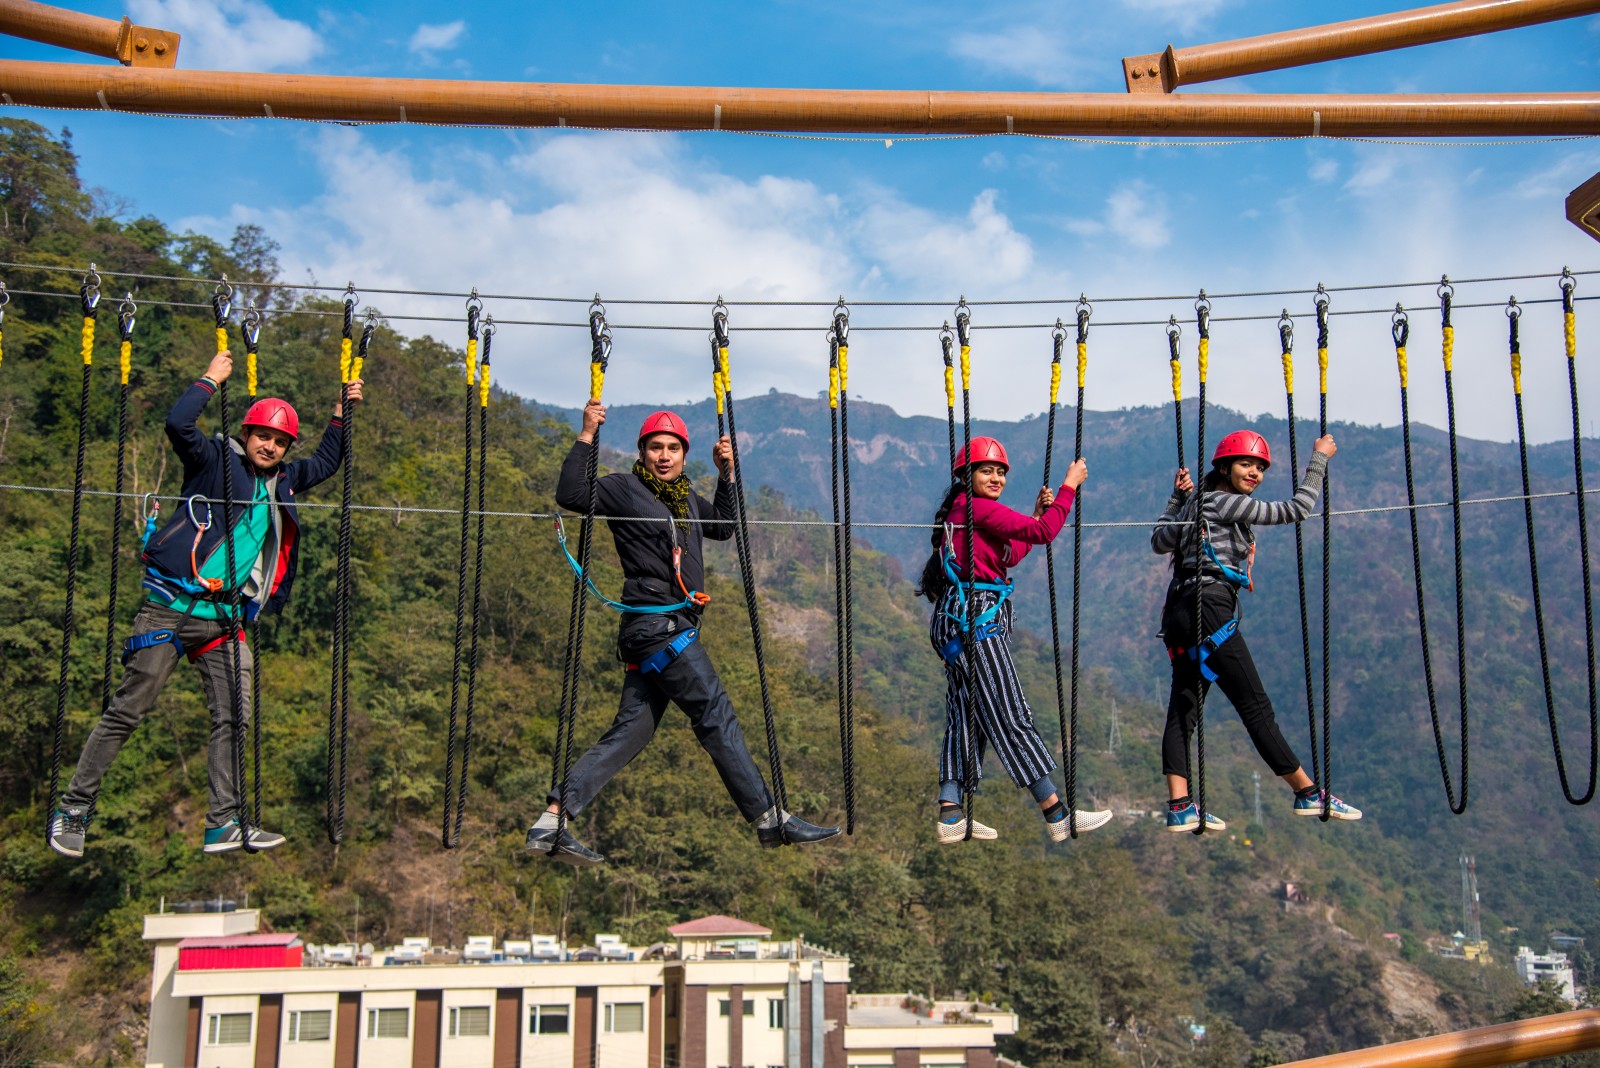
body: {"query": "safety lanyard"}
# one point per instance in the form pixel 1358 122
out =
pixel 691 598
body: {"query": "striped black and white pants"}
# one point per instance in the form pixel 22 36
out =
pixel 982 686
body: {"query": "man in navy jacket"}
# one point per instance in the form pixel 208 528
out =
pixel 189 612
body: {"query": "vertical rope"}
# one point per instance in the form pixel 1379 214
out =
pixel 338 769
pixel 487 332
pixel 1326 774
pixel 89 297
pixel 221 305
pixel 843 593
pixel 1400 329
pixel 126 312
pixel 5 298
pixel 1286 339
pixel 250 328
pixel 722 382
pixel 969 785
pixel 1174 360
pixel 1446 292
pixel 1058 339
pixel 1570 331
pixel 947 343
pixel 1202 314
pixel 566 720
pixel 450 829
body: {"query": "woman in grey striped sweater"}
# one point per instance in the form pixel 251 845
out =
pixel 1220 560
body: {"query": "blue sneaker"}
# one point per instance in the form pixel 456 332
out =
pixel 228 837
pixel 1187 818
pixel 1312 806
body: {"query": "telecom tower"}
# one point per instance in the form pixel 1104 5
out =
pixel 1114 739
pixel 1256 775
pixel 1471 920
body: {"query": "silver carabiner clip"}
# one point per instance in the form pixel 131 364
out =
pixel 196 519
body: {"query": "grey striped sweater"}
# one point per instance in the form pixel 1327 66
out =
pixel 1229 517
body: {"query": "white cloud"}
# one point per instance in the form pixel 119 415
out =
pixel 1135 214
pixel 437 38
pixel 1323 170
pixel 1039 56
pixel 1185 16
pixel 245 35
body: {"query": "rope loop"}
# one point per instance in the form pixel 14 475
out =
pixel 1513 312
pixel 1174 335
pixel 1202 315
pixel 841 322
pixel 1286 332
pixel 1085 309
pixel 1058 335
pixel 596 309
pixel 719 324
pixel 1567 283
pixel 1399 326
pixel 250 327
pixel 89 291
pixel 125 317
pixel 1445 290
pixel 474 309
pixel 489 329
pixel 963 322
pixel 1321 301
pixel 222 302
pixel 350 299
pixel 947 342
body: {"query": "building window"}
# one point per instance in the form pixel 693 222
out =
pixel 469 1021
pixel 547 1019
pixel 228 1029
pixel 388 1023
pixel 311 1025
pixel 777 1016
pixel 624 1016
pixel 725 1007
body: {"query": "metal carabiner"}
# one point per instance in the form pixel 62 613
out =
pixel 125 317
pixel 963 317
pixel 89 292
pixel 946 339
pixel 1286 331
pixel 250 327
pixel 1399 325
pixel 719 323
pixel 195 519
pixel 222 302
pixel 149 507
pixel 1174 333
pixel 1202 313
pixel 841 321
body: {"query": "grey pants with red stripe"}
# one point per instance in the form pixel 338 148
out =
pixel 982 686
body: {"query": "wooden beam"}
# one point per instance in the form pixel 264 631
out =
pixel 1583 207
pixel 1481 1047
pixel 130 45
pixel 876 112
pixel 1162 72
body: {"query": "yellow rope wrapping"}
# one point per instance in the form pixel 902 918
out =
pixel 597 380
pixel 1322 367
pixel 250 372
pixel 1516 373
pixel 844 367
pixel 727 379
pixel 1449 347
pixel 950 387
pixel 833 387
pixel 344 361
pixel 222 339
pixel 472 358
pixel 1055 381
pixel 88 340
pixel 483 383
pixel 1083 364
pixel 1405 372
pixel 355 367
pixel 1205 358
pixel 126 360
pixel 718 389
pixel 3 350
pixel 1177 382
pixel 1572 335
pixel 966 367
pixel 1288 372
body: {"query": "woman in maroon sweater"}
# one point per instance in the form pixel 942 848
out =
pixel 981 680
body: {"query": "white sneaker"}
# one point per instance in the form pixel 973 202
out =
pixel 950 833
pixel 1090 820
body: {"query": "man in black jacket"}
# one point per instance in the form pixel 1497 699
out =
pixel 189 613
pixel 663 568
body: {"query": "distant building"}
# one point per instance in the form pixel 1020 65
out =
pixel 1532 967
pixel 721 994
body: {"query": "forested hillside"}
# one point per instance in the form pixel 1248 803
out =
pixel 1109 947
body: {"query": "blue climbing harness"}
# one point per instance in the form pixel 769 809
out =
pixel 983 626
pixel 149 640
pixel 658 660
pixel 1210 645
pixel 691 599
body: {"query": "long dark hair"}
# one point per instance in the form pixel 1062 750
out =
pixel 934 581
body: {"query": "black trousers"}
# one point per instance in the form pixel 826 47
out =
pixel 1236 675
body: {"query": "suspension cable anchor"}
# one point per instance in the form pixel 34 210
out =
pixel 1567 283
pixel 1445 291
pixel 1321 300
pixel 89 292
pixel 250 326
pixel 1399 325
pixel 1286 330
pixel 125 316
pixel 1513 309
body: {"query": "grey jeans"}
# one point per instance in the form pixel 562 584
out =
pixel 142 680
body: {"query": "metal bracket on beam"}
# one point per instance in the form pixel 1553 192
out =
pixel 1583 207
pixel 146 46
pixel 1154 73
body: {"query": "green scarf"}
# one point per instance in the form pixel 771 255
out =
pixel 674 494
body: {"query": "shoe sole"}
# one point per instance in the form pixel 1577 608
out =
pixel 1087 821
pixel 1332 815
pixel 1188 828
pixel 574 859
pixel 221 847
pixel 951 833
pixel 75 855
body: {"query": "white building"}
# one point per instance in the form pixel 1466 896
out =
pixel 1532 967
pixel 724 996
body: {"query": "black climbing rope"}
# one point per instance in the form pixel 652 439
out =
pixel 1514 316
pixel 338 765
pixel 723 387
pixel 1202 315
pixel 5 298
pixel 126 313
pixel 566 720
pixel 843 585
pixel 1175 360
pixel 250 329
pixel 1321 301
pixel 454 834
pixel 1058 338
pixel 221 306
pixel 969 783
pixel 947 343
pixel 88 298
pixel 1400 329
pixel 454 794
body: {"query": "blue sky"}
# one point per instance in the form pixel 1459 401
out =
pixel 694 216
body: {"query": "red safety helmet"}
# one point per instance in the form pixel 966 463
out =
pixel 1240 445
pixel 664 422
pixel 274 414
pixel 984 451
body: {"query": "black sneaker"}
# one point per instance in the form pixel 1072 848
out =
pixel 566 848
pixel 794 831
pixel 67 828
